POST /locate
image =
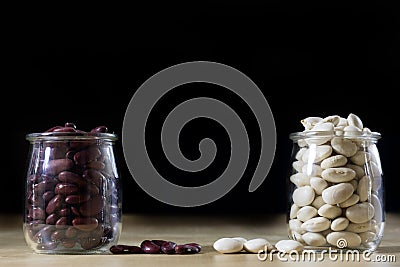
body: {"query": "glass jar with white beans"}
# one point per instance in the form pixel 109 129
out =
pixel 335 185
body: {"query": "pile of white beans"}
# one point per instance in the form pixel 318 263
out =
pixel 337 181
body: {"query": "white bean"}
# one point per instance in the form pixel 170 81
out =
pixel 334 119
pixel 354 120
pixel 257 244
pixel 334 161
pixel 360 158
pixel 316 224
pixel 241 239
pixel 300 179
pixel 307 212
pixel 295 225
pixel 342 122
pixel 329 211
pixel 360 213
pixel 310 122
pixel 354 183
pixel 359 170
pixel 352 130
pixel 312 169
pixel 293 211
pixel 298 165
pixel 300 153
pixel 352 240
pixel 350 201
pixel 316 154
pixel 303 196
pixel 318 184
pixel 343 146
pixel 363 188
pixel 338 174
pixel 314 239
pixel 378 216
pixel 359 227
pixel 287 246
pixel 318 202
pixel 339 224
pixel 228 245
pixel 337 193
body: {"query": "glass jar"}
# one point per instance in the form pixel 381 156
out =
pixel 73 193
pixel 335 190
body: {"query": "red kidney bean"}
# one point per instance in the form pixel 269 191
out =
pixel 150 247
pixel 52 218
pixel 65 212
pixel 158 242
pixel 91 239
pixel 92 190
pixel 57 152
pixel 91 242
pixel 37 213
pixel 53 128
pixel 71 232
pixel 72 178
pixel 186 249
pixel 70 124
pixel 94 176
pixel 66 189
pixel 97 165
pixel 68 243
pixel 168 247
pixel 44 186
pixel 55 204
pixel 75 210
pixel 99 129
pixel 36 200
pixel 64 130
pixel 125 249
pixel 85 223
pixel 47 196
pixel 84 156
pixel 63 222
pixel 77 199
pixel 93 206
pixel 196 245
pixel 57 235
pixel 70 154
pixel 56 166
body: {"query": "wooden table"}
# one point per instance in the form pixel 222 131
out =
pixel 183 229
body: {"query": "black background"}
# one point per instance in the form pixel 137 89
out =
pixel 83 65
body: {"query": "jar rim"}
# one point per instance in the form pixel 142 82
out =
pixel 345 134
pixel 76 136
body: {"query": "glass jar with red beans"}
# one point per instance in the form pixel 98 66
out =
pixel 73 191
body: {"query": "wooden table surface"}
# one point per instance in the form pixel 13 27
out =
pixel 184 229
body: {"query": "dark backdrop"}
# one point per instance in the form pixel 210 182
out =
pixel 83 64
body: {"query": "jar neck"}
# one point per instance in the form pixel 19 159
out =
pixel 356 136
pixel 59 136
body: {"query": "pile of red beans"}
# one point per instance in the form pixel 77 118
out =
pixel 157 247
pixel 72 192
